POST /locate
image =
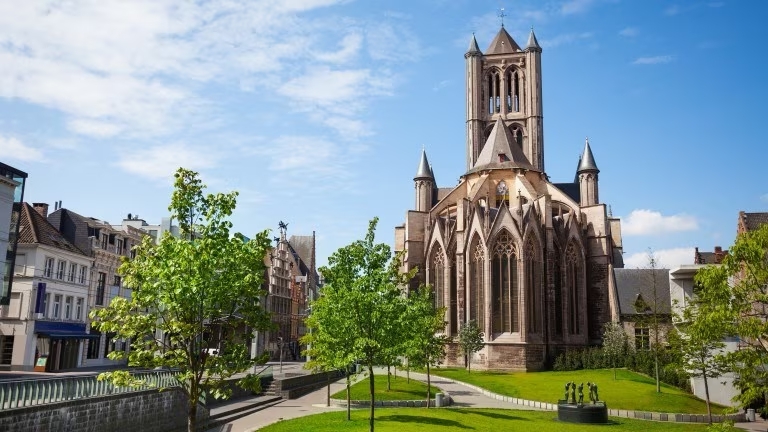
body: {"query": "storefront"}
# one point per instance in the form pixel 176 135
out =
pixel 59 345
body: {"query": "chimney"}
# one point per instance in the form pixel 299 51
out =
pixel 41 208
pixel 718 249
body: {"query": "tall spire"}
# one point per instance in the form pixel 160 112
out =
pixel 473 48
pixel 424 171
pixel 533 43
pixel 587 162
pixel 501 151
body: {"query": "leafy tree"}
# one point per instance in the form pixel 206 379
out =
pixel 615 343
pixel 470 341
pixel 649 312
pixel 186 290
pixel 735 295
pixel 425 343
pixel 331 341
pixel 366 281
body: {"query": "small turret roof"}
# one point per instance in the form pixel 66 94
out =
pixel 501 151
pixel 503 44
pixel 424 171
pixel 473 48
pixel 587 162
pixel 533 43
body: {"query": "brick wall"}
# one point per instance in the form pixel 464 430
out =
pixel 146 411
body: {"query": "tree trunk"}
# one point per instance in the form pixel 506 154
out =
pixel 469 365
pixel 192 408
pixel 706 393
pixel 656 362
pixel 372 389
pixel 389 378
pixel 429 384
pixel 348 397
pixel 327 389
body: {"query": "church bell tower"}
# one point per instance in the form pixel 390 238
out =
pixel 505 83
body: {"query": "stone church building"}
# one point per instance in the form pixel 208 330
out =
pixel 528 259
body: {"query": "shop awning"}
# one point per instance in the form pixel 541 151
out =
pixel 70 335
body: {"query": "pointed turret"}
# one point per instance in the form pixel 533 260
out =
pixel 533 43
pixel 425 169
pixel 474 49
pixel 587 177
pixel 501 151
pixel 425 184
pixel 587 160
pixel 503 44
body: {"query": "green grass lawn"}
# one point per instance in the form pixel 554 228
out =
pixel 401 389
pixel 629 391
pixel 462 419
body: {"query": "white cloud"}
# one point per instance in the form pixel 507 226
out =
pixel 349 47
pixel 575 6
pixel 665 258
pixel 629 32
pixel 653 60
pixel 13 148
pixel 441 85
pixel 649 222
pixel 160 162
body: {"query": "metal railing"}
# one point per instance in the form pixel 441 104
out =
pixel 41 391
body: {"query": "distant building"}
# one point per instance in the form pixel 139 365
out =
pixel 106 245
pixel 154 231
pixel 45 322
pixel 641 293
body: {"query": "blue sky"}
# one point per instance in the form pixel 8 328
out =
pixel 317 110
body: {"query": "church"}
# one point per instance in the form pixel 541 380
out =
pixel 529 260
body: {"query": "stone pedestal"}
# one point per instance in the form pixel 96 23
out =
pixel 591 413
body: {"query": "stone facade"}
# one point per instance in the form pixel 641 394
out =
pixel 529 259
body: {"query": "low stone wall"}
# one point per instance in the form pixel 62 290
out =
pixel 390 403
pixel 294 387
pixel 146 411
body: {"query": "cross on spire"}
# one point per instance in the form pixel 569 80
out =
pixel 501 16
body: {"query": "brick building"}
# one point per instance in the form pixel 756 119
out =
pixel 529 259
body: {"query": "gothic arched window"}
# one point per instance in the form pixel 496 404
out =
pixel 572 278
pixel 533 290
pixel 513 91
pixel 452 291
pixel 437 275
pixel 476 285
pixel 558 282
pixel 505 295
pixel 494 92
pixel 517 134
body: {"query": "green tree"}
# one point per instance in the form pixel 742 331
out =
pixel 734 295
pixel 205 284
pixel 331 340
pixel 470 341
pixel 650 310
pixel 366 280
pixel 615 343
pixel 425 343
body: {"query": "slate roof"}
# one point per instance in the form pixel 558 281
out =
pixel 533 43
pixel 501 151
pixel 473 48
pixel 587 160
pixel 425 170
pixel 35 229
pixel 633 282
pixel 502 44
pixel 753 221
pixel 571 189
pixel 301 248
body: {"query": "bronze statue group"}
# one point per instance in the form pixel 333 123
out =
pixel 570 390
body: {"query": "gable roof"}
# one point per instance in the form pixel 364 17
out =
pixel 753 221
pixel 35 229
pixel 501 151
pixel 631 283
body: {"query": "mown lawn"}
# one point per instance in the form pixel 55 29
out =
pixel 462 419
pixel 629 391
pixel 401 389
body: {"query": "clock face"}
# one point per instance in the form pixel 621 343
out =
pixel 501 189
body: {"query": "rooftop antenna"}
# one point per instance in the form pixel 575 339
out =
pixel 501 16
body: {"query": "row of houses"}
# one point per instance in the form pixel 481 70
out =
pixel 636 293
pixel 60 265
